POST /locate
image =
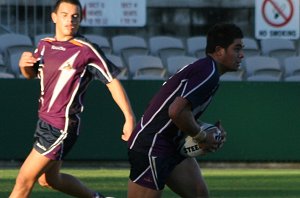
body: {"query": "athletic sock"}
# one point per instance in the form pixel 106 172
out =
pixel 98 195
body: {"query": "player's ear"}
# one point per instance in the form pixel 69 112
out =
pixel 54 17
pixel 219 50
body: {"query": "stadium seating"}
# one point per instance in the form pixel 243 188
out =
pixel 11 48
pixel 174 63
pixel 166 46
pixel 251 47
pixel 292 68
pixel 278 48
pixel 146 67
pixel 2 64
pixel 13 39
pixel 101 41
pixel 196 46
pixel 6 75
pixel 172 53
pixel 263 68
pixel 233 76
pixel 128 45
pixel 141 75
pixel 117 60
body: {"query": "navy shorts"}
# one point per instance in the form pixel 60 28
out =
pixel 52 142
pixel 151 171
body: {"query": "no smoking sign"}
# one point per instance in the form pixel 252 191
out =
pixel 277 19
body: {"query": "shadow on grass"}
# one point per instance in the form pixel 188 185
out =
pixel 221 183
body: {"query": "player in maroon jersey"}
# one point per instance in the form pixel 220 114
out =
pixel 65 65
pixel 173 113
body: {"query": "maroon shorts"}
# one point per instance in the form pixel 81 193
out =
pixel 52 142
pixel 152 171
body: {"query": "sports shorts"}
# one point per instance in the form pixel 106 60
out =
pixel 152 171
pixel 52 142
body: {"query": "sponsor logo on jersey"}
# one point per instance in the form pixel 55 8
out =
pixel 67 67
pixel 58 48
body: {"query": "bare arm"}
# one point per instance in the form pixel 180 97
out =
pixel 26 65
pixel 181 114
pixel 180 111
pixel 120 97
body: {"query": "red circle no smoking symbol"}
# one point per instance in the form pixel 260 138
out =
pixel 277 13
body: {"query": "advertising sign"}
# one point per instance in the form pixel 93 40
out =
pixel 127 13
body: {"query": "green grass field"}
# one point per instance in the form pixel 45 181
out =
pixel 222 183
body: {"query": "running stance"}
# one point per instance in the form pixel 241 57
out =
pixel 174 112
pixel 65 65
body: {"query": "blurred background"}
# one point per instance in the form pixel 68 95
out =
pixel 180 18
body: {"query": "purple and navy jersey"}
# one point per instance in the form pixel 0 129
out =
pixel 65 70
pixel 156 134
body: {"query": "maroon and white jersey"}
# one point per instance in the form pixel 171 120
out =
pixel 65 70
pixel 155 134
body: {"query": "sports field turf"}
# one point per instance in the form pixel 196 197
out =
pixel 223 182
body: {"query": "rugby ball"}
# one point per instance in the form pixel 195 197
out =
pixel 190 148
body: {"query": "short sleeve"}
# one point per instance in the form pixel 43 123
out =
pixel 101 68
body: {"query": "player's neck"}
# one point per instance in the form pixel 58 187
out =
pixel 217 59
pixel 59 37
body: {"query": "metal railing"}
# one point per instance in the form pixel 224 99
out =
pixel 30 17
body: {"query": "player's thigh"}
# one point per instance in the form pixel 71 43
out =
pixel 186 180
pixel 51 174
pixel 138 191
pixel 34 165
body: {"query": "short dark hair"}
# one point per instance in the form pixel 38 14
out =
pixel 222 34
pixel 74 2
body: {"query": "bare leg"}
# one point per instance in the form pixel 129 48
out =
pixel 52 178
pixel 32 168
pixel 186 180
pixel 37 165
pixel 137 191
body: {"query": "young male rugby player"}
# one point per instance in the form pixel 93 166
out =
pixel 173 113
pixel 65 64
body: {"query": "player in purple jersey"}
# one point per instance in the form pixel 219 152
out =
pixel 175 109
pixel 65 66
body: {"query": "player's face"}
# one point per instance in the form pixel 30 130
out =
pixel 67 20
pixel 233 56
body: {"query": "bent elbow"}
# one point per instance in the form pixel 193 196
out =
pixel 177 108
pixel 172 114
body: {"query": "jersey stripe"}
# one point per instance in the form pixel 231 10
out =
pixel 158 110
pixel 204 81
pixel 103 71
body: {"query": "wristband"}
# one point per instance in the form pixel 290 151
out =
pixel 200 137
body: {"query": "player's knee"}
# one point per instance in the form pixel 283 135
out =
pixel 24 182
